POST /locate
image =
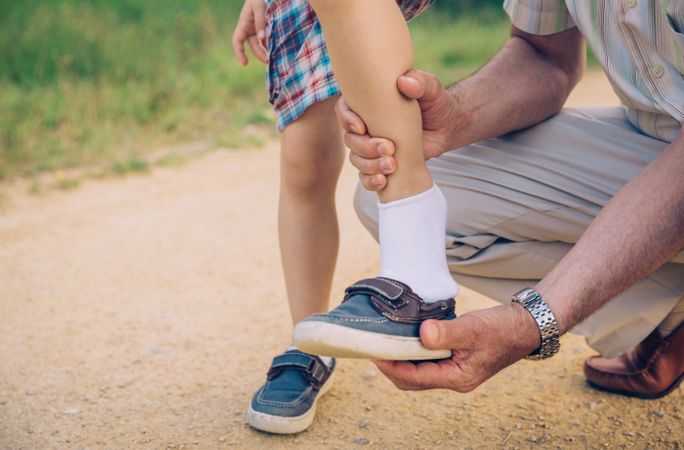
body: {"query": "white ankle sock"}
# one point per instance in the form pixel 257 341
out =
pixel 412 244
pixel 326 359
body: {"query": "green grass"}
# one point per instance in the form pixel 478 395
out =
pixel 129 166
pixel 105 82
pixel 68 184
pixel 95 82
pixel 454 47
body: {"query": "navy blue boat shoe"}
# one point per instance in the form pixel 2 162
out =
pixel 379 318
pixel 286 403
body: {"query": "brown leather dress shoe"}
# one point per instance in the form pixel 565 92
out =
pixel 652 369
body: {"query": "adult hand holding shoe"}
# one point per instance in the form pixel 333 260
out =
pixel 482 342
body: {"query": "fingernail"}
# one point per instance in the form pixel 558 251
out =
pixel 383 149
pixel 386 165
pixel 378 180
pixel 431 332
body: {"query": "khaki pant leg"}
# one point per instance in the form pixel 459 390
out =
pixel 518 203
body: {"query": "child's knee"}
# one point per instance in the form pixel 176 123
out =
pixel 310 172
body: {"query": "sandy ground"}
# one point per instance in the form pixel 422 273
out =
pixel 143 313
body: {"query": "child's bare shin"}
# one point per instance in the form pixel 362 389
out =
pixel 370 47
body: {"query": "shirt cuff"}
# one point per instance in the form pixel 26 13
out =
pixel 540 17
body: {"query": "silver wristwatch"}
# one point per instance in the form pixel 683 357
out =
pixel 546 321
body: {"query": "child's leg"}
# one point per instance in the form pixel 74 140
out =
pixel 312 154
pixel 370 47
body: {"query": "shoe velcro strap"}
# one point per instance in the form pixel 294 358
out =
pixel 313 369
pixel 382 287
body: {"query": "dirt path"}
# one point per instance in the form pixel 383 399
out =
pixel 143 313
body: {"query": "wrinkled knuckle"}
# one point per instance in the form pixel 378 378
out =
pixel 369 150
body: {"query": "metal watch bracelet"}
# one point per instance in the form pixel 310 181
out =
pixel 546 321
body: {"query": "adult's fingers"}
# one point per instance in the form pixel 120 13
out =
pixel 368 147
pixel 373 166
pixel 424 375
pixel 374 183
pixel 402 374
pixel 348 119
pixel 417 84
pixel 460 333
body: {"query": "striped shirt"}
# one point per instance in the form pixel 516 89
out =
pixel 639 43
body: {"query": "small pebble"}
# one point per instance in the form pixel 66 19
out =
pixel 361 440
pixel 222 439
pixel 363 423
pixel 658 413
pixel 71 411
pixel 592 406
pixel 369 375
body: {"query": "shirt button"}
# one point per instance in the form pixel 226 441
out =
pixel 657 71
pixel 630 3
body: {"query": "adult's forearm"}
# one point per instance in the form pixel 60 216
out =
pixel 527 81
pixel 640 229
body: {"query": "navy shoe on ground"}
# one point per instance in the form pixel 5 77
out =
pixel 379 318
pixel 286 403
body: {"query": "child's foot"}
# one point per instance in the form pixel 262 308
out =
pixel 379 318
pixel 286 403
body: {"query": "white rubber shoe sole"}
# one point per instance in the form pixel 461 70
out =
pixel 287 425
pixel 322 338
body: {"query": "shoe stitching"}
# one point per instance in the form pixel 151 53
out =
pixel 351 319
pixel 296 402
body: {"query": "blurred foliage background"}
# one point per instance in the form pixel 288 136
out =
pixel 107 81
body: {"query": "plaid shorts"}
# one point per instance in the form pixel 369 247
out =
pixel 299 73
